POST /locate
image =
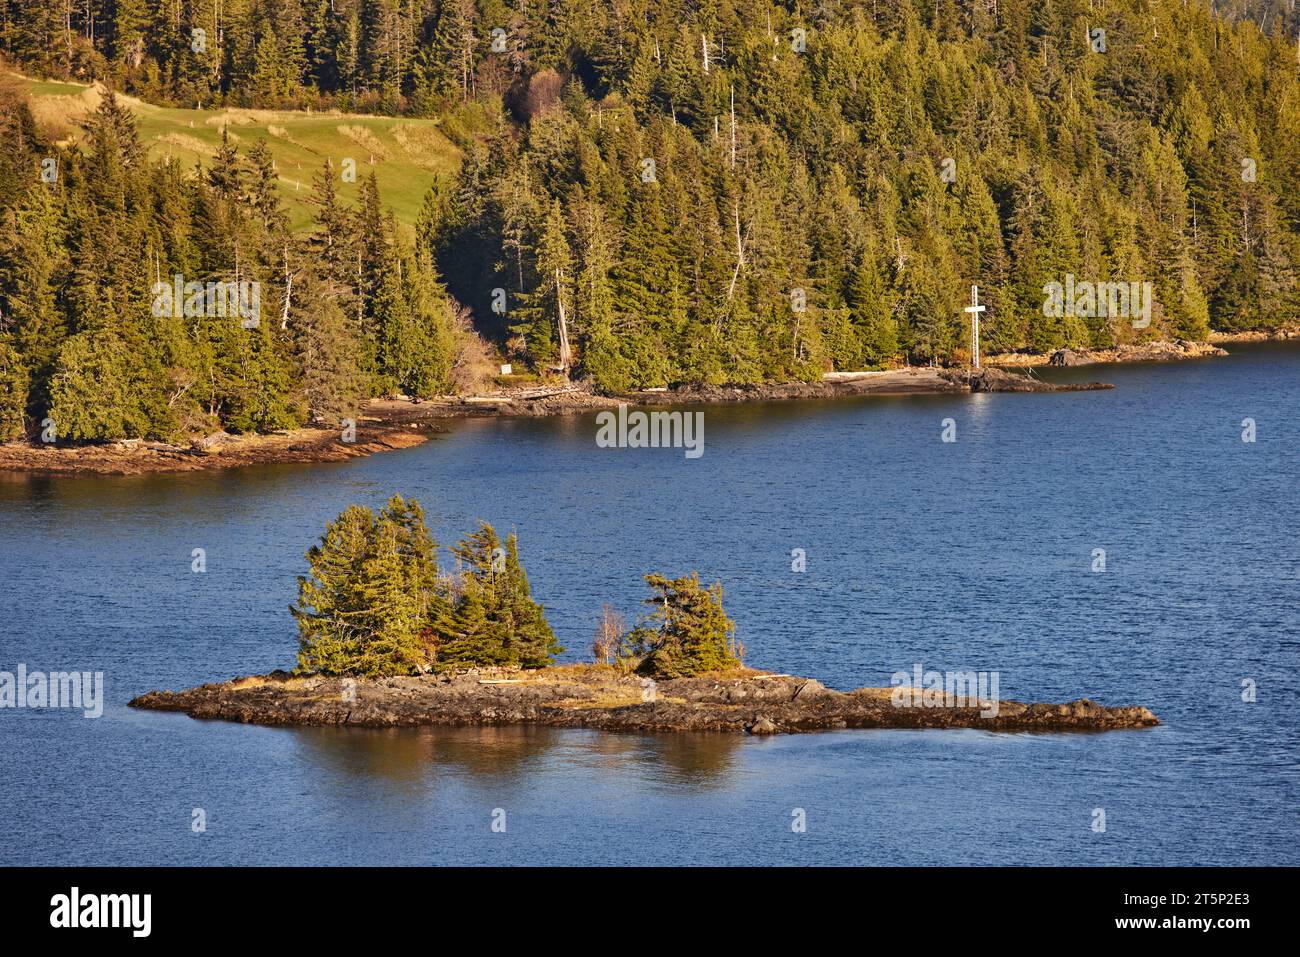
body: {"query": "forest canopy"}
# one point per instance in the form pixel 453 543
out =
pixel 652 192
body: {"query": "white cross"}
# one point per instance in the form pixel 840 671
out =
pixel 975 309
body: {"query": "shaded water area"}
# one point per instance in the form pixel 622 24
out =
pixel 973 555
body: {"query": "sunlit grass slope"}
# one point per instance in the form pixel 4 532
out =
pixel 405 154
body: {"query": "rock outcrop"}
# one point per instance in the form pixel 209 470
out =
pixel 600 697
pixel 993 379
pixel 1161 351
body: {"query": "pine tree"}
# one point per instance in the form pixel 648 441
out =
pixel 331 639
pixel 687 632
pixel 495 619
pixel 549 307
pixel 328 347
pixel 261 400
pixel 13 392
pixel 532 641
pixel 262 192
pixel 421 344
pixel 96 392
pixel 225 174
pixel 30 258
pixel 372 594
pixel 330 242
pixel 872 305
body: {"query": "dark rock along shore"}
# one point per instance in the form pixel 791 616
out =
pixel 598 697
pixel 398 424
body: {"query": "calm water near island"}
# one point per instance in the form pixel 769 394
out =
pixel 975 555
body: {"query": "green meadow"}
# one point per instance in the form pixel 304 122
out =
pixel 406 155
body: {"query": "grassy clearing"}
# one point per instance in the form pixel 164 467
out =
pixel 405 154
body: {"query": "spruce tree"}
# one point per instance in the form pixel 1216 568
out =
pixel 495 619
pixel 328 347
pixel 13 392
pixel 372 594
pixel 687 632
pixel 533 643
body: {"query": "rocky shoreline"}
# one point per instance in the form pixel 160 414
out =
pixel 136 457
pixel 1158 351
pixel 388 424
pixel 600 697
pixel 1256 335
pixel 836 385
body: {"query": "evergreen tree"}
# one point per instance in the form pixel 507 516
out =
pixel 872 305
pixel 32 256
pixel 328 351
pixel 13 392
pixel 549 307
pixel 687 633
pixel 98 392
pixel 495 620
pixel 372 593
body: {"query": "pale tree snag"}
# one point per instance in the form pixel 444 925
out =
pixel 566 355
pixel 288 291
pixel 740 254
pixel 733 126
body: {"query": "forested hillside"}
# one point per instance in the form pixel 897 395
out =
pixel 148 299
pixel 656 191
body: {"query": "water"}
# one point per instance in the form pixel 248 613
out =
pixel 973 555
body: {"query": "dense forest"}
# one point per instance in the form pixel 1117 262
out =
pixel 652 192
pixel 93 345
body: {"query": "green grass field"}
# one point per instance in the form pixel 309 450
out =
pixel 405 154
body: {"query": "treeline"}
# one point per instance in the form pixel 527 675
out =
pixel 665 191
pixel 358 55
pixel 141 299
pixel 376 602
pixel 867 182
pixel 416 56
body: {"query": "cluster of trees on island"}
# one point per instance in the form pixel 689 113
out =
pixel 652 192
pixel 376 603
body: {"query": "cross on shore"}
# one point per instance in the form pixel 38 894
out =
pixel 975 309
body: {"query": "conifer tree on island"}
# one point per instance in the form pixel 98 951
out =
pixel 375 602
pixel 686 633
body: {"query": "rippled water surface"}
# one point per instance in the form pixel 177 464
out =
pixel 974 555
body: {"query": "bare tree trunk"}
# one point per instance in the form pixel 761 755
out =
pixel 740 256
pixel 733 127
pixel 566 355
pixel 288 292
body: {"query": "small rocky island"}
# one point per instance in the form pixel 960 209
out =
pixel 388 639
pixel 598 696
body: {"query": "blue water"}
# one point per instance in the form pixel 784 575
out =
pixel 971 555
